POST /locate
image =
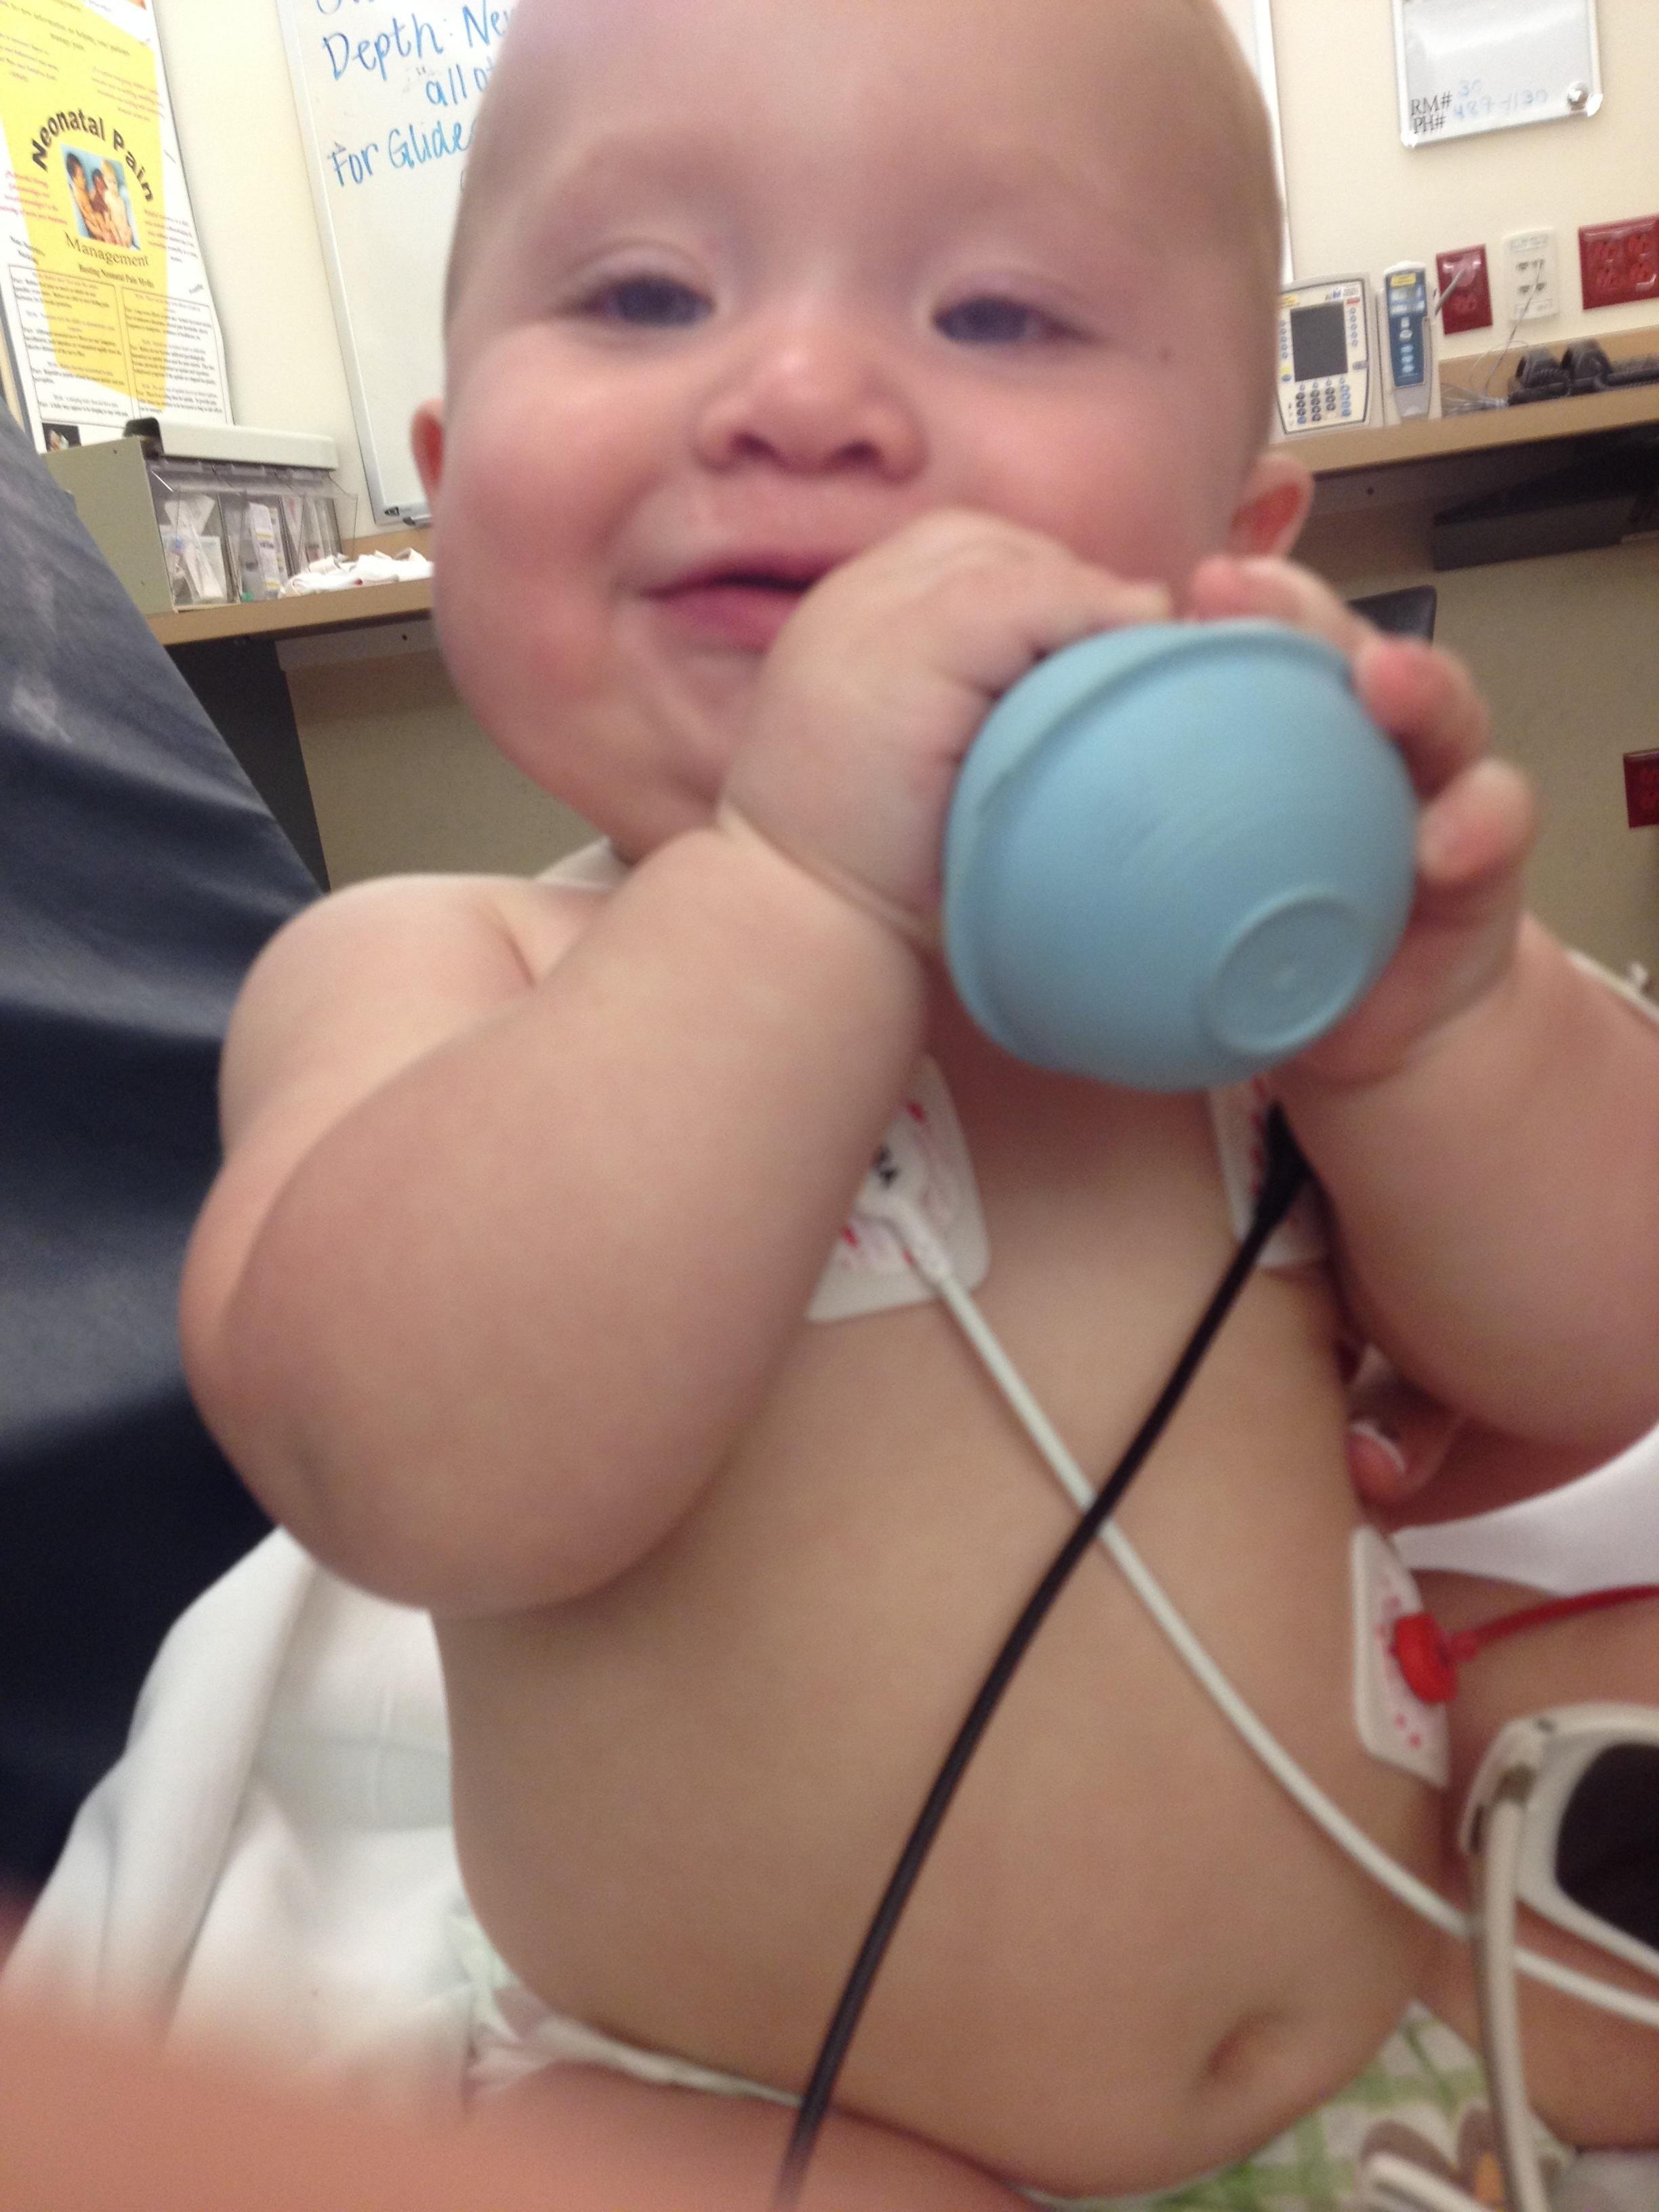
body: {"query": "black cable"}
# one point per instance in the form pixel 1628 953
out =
pixel 1284 1172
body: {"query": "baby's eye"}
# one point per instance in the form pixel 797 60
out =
pixel 657 303
pixel 989 318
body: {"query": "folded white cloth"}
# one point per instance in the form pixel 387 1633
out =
pixel 333 571
pixel 1598 1532
pixel 273 1856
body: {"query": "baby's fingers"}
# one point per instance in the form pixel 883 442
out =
pixel 1225 589
pixel 1425 699
pixel 1478 829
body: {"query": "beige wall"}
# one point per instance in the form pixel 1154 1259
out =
pixel 1564 647
pixel 1359 199
pixel 1566 651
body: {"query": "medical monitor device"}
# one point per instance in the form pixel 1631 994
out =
pixel 1406 338
pixel 1324 366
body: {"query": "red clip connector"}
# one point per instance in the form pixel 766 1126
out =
pixel 1422 1652
pixel 1429 1658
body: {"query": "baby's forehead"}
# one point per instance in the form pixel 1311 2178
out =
pixel 1133 80
pixel 1153 89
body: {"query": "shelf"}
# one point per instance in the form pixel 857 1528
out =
pixel 274 618
pixel 1325 452
pixel 1331 453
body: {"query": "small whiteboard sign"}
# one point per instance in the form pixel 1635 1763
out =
pixel 1469 66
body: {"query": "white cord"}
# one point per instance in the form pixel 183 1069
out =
pixel 1499 1997
pixel 1389 2183
pixel 933 1263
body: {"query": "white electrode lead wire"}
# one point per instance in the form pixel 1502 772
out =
pixel 933 1263
pixel 1496 1864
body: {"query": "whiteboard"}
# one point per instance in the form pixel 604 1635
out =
pixel 1471 65
pixel 387 107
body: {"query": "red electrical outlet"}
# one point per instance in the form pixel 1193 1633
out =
pixel 1465 290
pixel 1642 790
pixel 1620 261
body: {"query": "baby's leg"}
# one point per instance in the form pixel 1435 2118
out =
pixel 688 2150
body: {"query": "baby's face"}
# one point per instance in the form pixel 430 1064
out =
pixel 748 283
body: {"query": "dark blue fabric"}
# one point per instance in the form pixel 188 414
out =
pixel 139 875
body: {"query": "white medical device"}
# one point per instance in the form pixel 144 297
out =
pixel 1406 336
pixel 1324 355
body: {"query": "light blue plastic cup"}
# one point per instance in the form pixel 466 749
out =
pixel 1175 855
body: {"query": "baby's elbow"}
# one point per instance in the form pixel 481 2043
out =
pixel 427 1512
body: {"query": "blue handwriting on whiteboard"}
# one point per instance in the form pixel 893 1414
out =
pixel 426 141
pixel 351 169
pixel 409 41
pixel 484 25
pixel 1474 104
pixel 458 83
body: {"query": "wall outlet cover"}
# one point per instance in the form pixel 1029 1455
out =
pixel 1620 261
pixel 1642 789
pixel 1465 289
pixel 1531 255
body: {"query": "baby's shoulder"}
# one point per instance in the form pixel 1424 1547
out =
pixel 412 926
pixel 370 975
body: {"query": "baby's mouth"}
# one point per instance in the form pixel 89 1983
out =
pixel 740 608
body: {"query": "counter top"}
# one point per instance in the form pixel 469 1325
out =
pixel 1326 452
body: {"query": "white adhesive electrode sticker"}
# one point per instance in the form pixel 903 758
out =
pixel 1393 1723
pixel 920 1167
pixel 1238 1116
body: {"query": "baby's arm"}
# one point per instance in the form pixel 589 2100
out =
pixel 518 1216
pixel 686 2147
pixel 515 1210
pixel 94 2120
pixel 1487 1122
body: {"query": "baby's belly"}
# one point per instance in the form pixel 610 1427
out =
pixel 1129 1958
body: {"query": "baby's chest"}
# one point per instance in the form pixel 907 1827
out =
pixel 1058 1248
pixel 1098 1185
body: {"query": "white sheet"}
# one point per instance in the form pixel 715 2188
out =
pixel 1595 1533
pixel 273 1855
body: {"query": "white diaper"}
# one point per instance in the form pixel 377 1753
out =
pixel 514 2035
pixel 1423 2098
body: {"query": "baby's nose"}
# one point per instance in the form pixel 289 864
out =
pixel 812 394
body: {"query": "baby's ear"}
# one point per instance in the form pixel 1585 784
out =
pixel 426 437
pixel 1272 505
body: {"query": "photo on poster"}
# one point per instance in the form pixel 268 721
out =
pixel 99 202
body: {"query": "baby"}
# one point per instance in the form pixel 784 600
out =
pixel 113 202
pixel 815 366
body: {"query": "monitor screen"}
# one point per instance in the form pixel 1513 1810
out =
pixel 1319 340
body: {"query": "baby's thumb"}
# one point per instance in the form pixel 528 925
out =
pixel 1398 1436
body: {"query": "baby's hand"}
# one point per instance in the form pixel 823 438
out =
pixel 877 685
pixel 1474 829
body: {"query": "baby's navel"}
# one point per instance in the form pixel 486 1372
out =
pixel 1256 2046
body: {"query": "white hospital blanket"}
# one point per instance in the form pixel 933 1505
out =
pixel 1595 1533
pixel 273 1856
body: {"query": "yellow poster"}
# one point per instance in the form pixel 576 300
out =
pixel 103 295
